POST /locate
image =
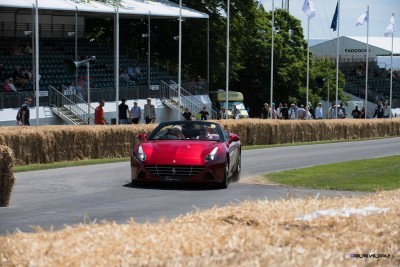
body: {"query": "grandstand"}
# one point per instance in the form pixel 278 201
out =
pixel 56 45
pixel 352 63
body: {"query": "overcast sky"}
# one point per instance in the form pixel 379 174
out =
pixel 380 12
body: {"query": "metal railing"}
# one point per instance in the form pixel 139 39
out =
pixel 170 92
pixel 72 102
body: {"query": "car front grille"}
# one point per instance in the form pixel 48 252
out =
pixel 176 171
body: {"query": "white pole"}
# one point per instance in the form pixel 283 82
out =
pixel 180 60
pixel 148 52
pixel 366 68
pixel 337 59
pixel 208 50
pixel 76 45
pixel 227 56
pixel 88 88
pixel 37 61
pixel 117 64
pixel 391 76
pixel 308 62
pixel 272 57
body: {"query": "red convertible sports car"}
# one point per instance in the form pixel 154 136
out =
pixel 198 152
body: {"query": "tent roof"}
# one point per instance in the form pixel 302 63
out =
pixel 160 8
pixel 356 46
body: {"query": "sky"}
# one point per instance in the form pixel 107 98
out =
pixel 380 12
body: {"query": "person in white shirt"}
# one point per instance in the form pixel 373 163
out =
pixel 318 112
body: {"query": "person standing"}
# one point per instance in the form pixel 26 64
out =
pixel 99 114
pixel 187 114
pixel 386 110
pixel 24 112
pixel 123 111
pixel 292 112
pixel 265 111
pixel 222 114
pixel 136 113
pixel 204 114
pixel 356 113
pixel 235 112
pixel 149 112
pixel 284 112
pixel 318 112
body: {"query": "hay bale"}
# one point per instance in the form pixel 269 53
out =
pixel 7 178
pixel 253 233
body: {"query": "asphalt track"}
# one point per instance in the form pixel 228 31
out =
pixel 54 198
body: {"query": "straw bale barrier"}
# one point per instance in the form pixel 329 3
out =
pixel 47 144
pixel 261 233
pixel 7 178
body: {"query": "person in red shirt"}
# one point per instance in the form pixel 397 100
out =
pixel 99 114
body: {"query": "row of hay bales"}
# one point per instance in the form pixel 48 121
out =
pixel 47 144
pixel 256 233
pixel 7 178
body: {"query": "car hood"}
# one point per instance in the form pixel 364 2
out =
pixel 179 152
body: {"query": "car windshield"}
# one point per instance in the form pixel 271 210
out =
pixel 187 131
pixel 239 105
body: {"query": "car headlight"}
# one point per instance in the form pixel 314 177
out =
pixel 212 155
pixel 140 154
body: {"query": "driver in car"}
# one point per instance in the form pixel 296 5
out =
pixel 176 132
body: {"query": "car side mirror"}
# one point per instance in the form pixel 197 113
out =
pixel 142 137
pixel 233 138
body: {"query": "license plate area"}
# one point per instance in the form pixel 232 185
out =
pixel 172 179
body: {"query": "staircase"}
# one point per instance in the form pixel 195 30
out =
pixel 169 97
pixel 72 109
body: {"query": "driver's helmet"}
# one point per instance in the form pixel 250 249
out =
pixel 176 130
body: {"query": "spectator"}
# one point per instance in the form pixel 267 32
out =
pixel 71 88
pixel 123 111
pixel 235 112
pixel 363 113
pixel 311 110
pixel 149 112
pixel 292 112
pixel 8 86
pixel 19 79
pixel 187 115
pixel 319 112
pixel 356 113
pixel 284 112
pixel 124 76
pixel 204 114
pixel 222 115
pixel 386 110
pixel 265 111
pixel 279 111
pixel 99 114
pixel 301 113
pixel 332 112
pixel 136 113
pixel 24 112
pixel 274 114
pixel 378 113
pixel 341 111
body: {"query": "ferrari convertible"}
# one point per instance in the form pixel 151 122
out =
pixel 198 152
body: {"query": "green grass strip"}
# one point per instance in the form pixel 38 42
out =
pixel 362 175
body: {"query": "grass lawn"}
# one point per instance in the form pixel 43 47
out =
pixel 361 175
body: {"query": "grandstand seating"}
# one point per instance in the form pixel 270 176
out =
pixel 54 51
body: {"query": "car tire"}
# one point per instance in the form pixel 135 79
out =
pixel 236 175
pixel 225 182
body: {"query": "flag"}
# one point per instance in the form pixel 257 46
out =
pixel 259 3
pixel 335 18
pixel 363 18
pixel 308 8
pixel 391 28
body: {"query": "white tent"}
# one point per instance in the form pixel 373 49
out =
pixel 353 47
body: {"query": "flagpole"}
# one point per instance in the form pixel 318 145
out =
pixel 366 67
pixel 308 62
pixel 180 60
pixel 391 75
pixel 272 56
pixel 227 57
pixel 337 59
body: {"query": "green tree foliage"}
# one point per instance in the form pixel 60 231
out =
pixel 250 50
